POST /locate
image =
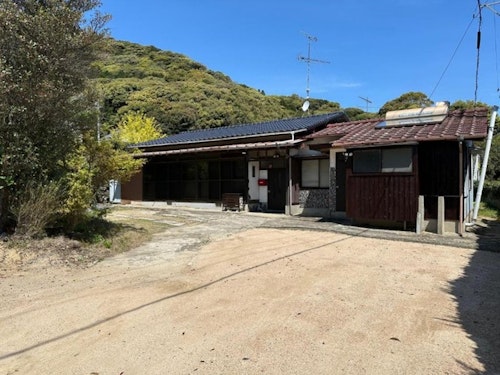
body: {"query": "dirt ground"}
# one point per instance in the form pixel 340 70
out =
pixel 231 293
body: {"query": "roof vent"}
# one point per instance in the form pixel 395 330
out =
pixel 416 116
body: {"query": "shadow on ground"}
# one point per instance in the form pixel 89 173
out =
pixel 477 294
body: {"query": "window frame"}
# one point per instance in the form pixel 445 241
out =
pixel 322 178
pixel 381 168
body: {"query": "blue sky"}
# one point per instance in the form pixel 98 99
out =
pixel 376 49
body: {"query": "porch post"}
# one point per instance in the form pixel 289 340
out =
pixel 420 215
pixel 440 215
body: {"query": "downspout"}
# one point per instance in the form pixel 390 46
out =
pixel 484 165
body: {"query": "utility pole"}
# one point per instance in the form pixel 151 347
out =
pixel 98 107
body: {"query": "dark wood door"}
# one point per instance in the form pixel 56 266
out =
pixel 276 189
pixel 340 182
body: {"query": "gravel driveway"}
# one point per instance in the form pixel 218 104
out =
pixel 238 293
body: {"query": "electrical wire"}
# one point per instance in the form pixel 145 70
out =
pixel 496 51
pixel 452 57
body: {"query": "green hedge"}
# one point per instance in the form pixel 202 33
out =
pixel 491 194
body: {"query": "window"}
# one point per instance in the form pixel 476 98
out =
pixel 390 160
pixel 316 173
pixel 397 160
pixel 366 161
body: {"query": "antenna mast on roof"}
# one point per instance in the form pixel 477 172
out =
pixel 491 6
pixel 368 101
pixel 309 60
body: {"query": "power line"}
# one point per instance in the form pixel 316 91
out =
pixel 452 57
pixel 490 6
pixel 496 50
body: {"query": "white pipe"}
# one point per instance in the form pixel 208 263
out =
pixel 484 165
pixel 461 187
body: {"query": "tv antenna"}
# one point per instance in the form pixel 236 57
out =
pixel 368 101
pixel 308 60
pixel 491 6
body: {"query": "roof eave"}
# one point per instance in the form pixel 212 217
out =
pixel 290 132
pixel 232 147
pixel 406 142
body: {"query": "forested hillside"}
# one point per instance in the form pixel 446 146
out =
pixel 182 94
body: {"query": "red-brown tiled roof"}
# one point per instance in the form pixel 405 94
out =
pixel 466 124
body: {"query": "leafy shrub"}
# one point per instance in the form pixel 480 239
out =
pixel 491 194
pixel 36 208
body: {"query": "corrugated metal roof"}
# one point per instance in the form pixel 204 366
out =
pixel 468 124
pixel 248 130
pixel 226 147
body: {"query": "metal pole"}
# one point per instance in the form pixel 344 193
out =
pixel 98 122
pixel 461 187
pixel 484 165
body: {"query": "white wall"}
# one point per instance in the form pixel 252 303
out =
pixel 253 180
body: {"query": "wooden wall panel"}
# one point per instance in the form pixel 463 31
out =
pixel 132 190
pixel 389 197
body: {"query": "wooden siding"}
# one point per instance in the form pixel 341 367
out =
pixel 384 196
pixel 439 168
pixel 132 190
pixel 439 172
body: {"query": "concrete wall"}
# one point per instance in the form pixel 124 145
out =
pixel 439 225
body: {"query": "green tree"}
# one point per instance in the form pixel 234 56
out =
pixel 94 163
pixel 355 114
pixel 493 170
pixel 408 100
pixel 136 127
pixel 467 104
pixel 90 167
pixel 47 49
pixel 182 94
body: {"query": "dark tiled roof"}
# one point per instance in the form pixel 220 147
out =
pixel 468 124
pixel 248 130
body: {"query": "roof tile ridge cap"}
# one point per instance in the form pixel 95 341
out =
pixel 263 122
pixel 474 111
pixel 371 122
pixel 355 122
pixel 464 113
pixel 481 111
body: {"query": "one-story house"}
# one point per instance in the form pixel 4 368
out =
pixel 249 161
pixel 411 169
pixel 414 167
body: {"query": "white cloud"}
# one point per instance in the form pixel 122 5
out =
pixel 347 85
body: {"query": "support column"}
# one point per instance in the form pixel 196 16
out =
pixel 440 215
pixel 420 214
